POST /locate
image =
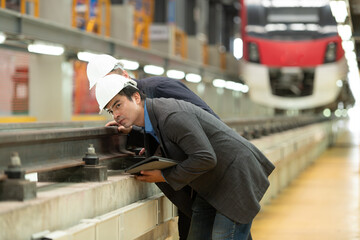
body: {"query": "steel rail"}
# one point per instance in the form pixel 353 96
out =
pixel 8 127
pixel 53 149
pixel 45 150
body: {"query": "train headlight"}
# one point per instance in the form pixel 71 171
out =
pixel 330 54
pixel 254 53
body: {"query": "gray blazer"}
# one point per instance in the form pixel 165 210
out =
pixel 224 168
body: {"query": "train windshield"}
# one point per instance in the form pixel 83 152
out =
pixel 290 23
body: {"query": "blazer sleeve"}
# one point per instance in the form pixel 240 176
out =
pixel 184 130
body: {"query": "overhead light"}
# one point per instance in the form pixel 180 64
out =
pixel 339 10
pixel 220 83
pixel 175 74
pixel 344 32
pixel 235 86
pixel 293 3
pixel 192 77
pixel 230 85
pixel 350 56
pixel 238 48
pixel 86 56
pixel 2 37
pixel 348 46
pixel 46 48
pixel 154 70
pixel 129 65
pixel 352 63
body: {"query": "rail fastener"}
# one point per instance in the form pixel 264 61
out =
pixel 15 186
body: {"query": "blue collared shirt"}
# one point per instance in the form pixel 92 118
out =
pixel 148 127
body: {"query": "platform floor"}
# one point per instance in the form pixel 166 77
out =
pixel 322 203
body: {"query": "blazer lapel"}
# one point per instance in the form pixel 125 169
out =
pixel 155 124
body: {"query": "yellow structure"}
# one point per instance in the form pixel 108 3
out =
pixel 36 6
pixel 94 24
pixel 143 17
pixel 180 44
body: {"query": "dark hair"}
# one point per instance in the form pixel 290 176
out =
pixel 129 91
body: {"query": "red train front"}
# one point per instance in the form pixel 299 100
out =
pixel 293 56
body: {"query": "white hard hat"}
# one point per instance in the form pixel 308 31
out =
pixel 99 66
pixel 110 85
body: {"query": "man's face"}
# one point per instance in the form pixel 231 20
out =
pixel 127 112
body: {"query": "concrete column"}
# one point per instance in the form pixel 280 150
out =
pixel 122 23
pixel 55 11
pixel 180 13
pixel 50 88
pixel 202 13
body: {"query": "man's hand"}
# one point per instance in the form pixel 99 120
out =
pixel 121 128
pixel 150 176
pixel 142 151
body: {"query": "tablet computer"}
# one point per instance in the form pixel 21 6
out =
pixel 151 163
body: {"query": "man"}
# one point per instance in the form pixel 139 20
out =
pixel 153 87
pixel 228 173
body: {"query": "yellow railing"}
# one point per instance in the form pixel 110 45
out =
pixel 23 6
pixel 205 54
pixel 17 119
pixel 3 4
pixel 88 118
pixel 180 44
pixel 75 14
pixel 94 24
pixel 142 20
pixel 223 61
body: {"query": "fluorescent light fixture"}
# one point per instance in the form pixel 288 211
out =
pixel 192 77
pixel 339 10
pixel 348 46
pixel 175 74
pixel 245 88
pixel 219 83
pixel 230 85
pixel 350 56
pixel 154 70
pixel 344 32
pixel 238 48
pixel 352 63
pixel 293 3
pixel 2 37
pixel 46 48
pixel 129 65
pixel 86 56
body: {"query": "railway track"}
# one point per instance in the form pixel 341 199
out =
pixel 56 151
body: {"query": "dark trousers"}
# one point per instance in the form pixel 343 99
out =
pixel 183 225
pixel 207 223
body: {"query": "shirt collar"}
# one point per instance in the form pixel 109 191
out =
pixel 148 126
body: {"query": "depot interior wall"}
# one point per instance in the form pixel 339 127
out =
pixel 50 88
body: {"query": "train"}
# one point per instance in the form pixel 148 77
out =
pixel 292 53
